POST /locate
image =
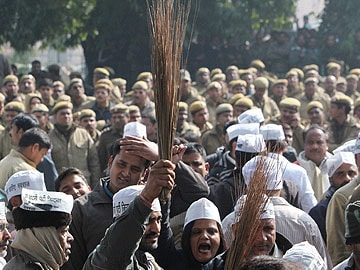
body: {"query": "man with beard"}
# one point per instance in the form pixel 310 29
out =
pixel 4 235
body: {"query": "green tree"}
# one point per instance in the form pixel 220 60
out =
pixel 114 32
pixel 343 20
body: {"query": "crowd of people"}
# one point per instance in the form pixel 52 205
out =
pixel 98 143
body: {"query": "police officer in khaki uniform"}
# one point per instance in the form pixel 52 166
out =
pixel 289 114
pixel 12 109
pixel 262 101
pixel 200 116
pixel 342 126
pixel 183 126
pixel 72 145
pixel 78 98
pixel 119 118
pixel 215 137
pixel 213 99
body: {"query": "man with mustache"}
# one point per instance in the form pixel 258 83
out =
pixel 137 225
pixel 313 158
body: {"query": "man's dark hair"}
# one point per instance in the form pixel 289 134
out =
pixel 35 62
pixel 195 148
pixel 312 127
pixel 33 136
pixel 65 172
pixel 46 82
pixel 151 117
pixel 25 121
pixel 341 105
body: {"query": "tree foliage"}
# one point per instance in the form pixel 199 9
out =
pixel 114 32
pixel 341 19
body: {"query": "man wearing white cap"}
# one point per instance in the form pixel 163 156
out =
pixel 275 140
pixel 291 222
pixel 335 227
pixel 341 169
pixel 224 192
pixel 225 160
pixel 251 116
pixel 137 226
pixel 31 179
pixel 42 221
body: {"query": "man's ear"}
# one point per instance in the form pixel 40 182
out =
pixel 110 161
pixel 35 147
pixel 207 167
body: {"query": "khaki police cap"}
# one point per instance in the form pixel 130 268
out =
pixel 185 75
pixel 261 82
pixel 133 108
pixel 333 65
pixel 16 106
pixel 62 105
pixel 244 102
pixel 299 72
pixel 10 78
pixel 310 67
pixel 104 83
pixel 140 85
pixel 215 71
pixel 281 81
pixel 75 80
pixel 235 83
pixel 58 83
pixel 213 85
pixel 86 113
pixel 40 108
pixel 119 82
pixel 197 106
pixel 290 103
pixel 202 70
pixel 182 106
pixel 27 77
pixel 218 77
pixel 352 76
pixel 258 64
pixel 119 108
pixel 223 107
pixel 231 68
pixel 235 97
pixel 355 71
pixel 341 99
pixel 102 71
pixel 144 75
pixel 291 73
pixel 311 80
pixel 341 80
pixel 314 104
pixel 64 98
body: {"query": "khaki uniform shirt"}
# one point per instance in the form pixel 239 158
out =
pixel 267 105
pixel 212 139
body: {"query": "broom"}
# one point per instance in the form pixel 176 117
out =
pixel 249 220
pixel 167 21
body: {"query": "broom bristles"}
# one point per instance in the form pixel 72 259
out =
pixel 167 22
pixel 249 219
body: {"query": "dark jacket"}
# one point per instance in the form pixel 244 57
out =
pixel 24 261
pixel 92 215
pixel 119 249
